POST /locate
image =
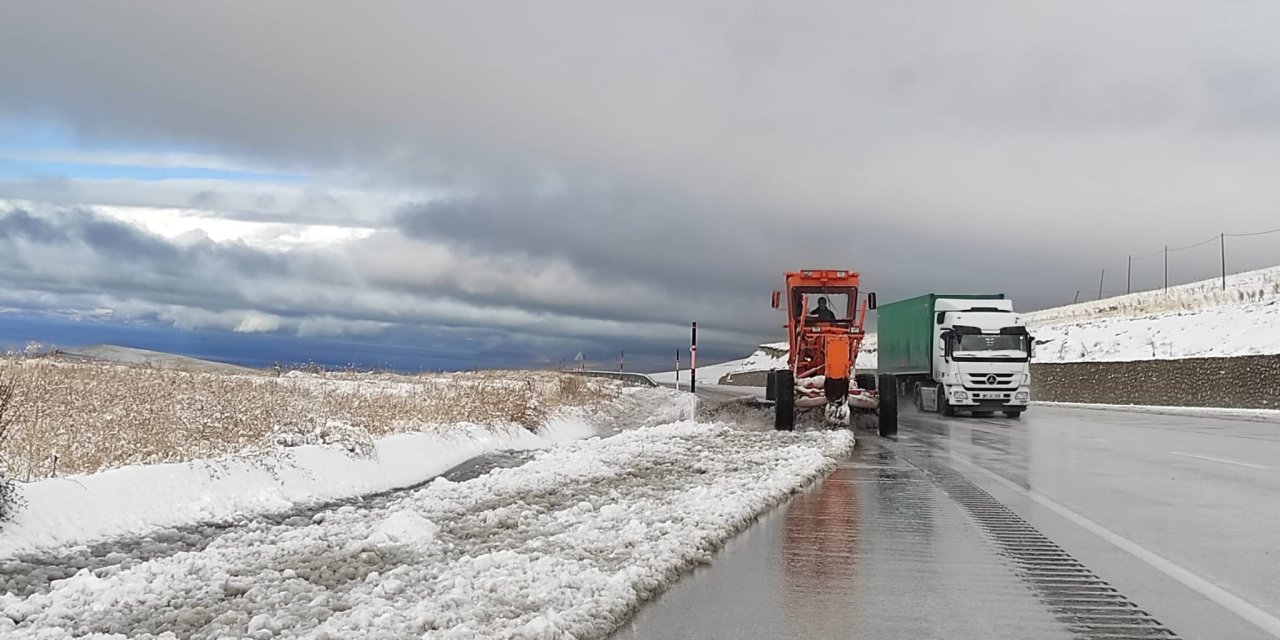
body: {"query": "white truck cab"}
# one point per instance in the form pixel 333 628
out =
pixel 981 358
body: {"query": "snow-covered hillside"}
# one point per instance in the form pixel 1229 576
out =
pixel 1195 320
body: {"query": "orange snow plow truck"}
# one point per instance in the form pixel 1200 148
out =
pixel 824 331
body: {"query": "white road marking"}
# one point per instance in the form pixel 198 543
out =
pixel 1238 464
pixel 1227 600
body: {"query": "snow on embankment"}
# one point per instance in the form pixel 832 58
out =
pixel 1189 321
pixel 567 545
pixel 766 357
pixel 136 499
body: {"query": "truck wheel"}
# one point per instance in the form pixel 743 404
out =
pixel 1013 415
pixel 983 414
pixel 944 405
pixel 888 405
pixel 770 391
pixel 784 400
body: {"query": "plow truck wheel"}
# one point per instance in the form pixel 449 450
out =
pixel 888 405
pixel 784 400
pixel 770 386
pixel 1013 414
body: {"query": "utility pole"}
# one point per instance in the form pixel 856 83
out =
pixel 1101 280
pixel 677 369
pixel 1222 239
pixel 1077 297
pixel 1166 267
pixel 1128 279
pixel 622 361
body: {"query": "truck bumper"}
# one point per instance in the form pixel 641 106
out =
pixel 986 399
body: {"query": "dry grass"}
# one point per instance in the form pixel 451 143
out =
pixel 68 418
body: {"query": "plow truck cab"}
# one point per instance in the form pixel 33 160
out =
pixel 957 352
pixel 824 332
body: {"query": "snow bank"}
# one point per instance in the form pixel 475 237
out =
pixel 76 510
pixel 567 545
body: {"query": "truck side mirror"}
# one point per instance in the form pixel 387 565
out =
pixel 777 299
pixel 871 301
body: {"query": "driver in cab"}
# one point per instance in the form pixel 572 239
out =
pixel 822 311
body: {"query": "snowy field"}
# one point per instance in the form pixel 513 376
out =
pixel 1195 320
pixel 69 418
pixel 566 545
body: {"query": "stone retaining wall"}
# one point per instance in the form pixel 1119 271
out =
pixel 1247 382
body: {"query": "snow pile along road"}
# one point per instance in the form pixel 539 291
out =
pixel 135 500
pixel 566 545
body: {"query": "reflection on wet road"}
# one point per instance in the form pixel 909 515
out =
pixel 875 551
pixel 969 528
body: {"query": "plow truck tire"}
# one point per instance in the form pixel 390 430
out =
pixel 1014 415
pixel 888 405
pixel 770 386
pixel 784 400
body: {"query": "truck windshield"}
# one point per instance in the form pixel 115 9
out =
pixel 991 346
pixel 836 303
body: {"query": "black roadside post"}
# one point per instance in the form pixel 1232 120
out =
pixel 693 359
pixel 1223 240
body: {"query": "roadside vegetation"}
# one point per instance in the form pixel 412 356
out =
pixel 64 418
pixel 9 499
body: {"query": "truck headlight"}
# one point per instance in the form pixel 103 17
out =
pixel 960 394
pixel 1022 395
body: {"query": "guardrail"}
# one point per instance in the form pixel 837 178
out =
pixel 638 379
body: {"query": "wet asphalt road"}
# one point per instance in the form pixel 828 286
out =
pixel 1066 523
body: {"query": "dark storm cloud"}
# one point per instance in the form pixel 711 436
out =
pixel 88 261
pixel 668 160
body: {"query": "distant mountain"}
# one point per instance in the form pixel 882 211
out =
pixel 153 359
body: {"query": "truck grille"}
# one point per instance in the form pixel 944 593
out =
pixel 991 381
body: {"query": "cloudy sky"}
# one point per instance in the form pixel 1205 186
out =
pixel 533 179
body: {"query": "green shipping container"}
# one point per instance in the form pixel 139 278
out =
pixel 905 331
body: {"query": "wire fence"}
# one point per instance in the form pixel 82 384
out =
pixel 1153 268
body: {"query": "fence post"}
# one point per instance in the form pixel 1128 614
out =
pixel 1077 296
pixel 1101 279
